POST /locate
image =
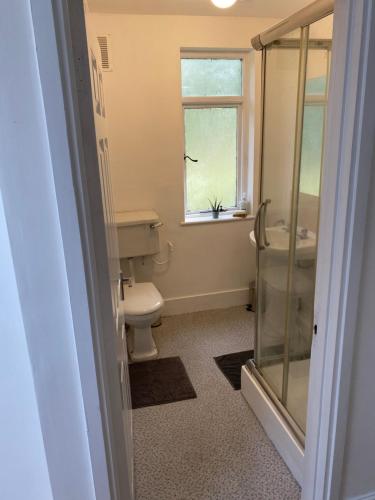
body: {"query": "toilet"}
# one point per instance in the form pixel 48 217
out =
pixel 142 307
pixel 138 237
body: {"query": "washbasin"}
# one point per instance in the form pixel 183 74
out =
pixel 278 238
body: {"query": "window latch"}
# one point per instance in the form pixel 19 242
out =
pixel 191 159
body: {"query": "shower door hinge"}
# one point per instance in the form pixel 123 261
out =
pixel 315 329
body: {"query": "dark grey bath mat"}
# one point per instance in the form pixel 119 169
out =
pixel 159 381
pixel 230 365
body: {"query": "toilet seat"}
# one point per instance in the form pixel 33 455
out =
pixel 141 299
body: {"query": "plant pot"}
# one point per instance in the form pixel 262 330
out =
pixel 215 214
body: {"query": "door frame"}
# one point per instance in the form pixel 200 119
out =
pixel 61 47
pixel 341 238
pixel 348 162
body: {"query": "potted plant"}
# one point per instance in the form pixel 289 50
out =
pixel 216 208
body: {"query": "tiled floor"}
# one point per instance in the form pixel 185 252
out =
pixel 212 447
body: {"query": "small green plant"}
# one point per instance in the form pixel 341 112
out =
pixel 215 208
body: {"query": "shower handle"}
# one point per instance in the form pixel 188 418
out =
pixel 257 227
pixel 266 242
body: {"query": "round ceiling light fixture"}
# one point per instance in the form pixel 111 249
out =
pixel 223 4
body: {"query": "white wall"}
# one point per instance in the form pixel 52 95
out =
pixel 55 410
pixel 23 464
pixel 143 101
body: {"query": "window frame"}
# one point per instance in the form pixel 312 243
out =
pixel 241 103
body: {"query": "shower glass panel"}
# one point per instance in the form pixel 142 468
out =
pixel 279 120
pixel 295 88
pixel 306 210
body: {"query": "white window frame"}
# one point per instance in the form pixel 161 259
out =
pixel 242 103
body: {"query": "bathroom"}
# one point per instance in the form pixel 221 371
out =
pixel 201 270
pixel 232 416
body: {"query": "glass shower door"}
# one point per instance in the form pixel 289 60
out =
pixel 280 86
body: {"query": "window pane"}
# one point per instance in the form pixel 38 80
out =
pixel 312 144
pixel 211 77
pixel 211 138
pixel 317 67
pixel 316 86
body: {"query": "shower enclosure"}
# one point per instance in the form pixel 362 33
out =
pixel 295 76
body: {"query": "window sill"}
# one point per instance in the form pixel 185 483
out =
pixel 189 221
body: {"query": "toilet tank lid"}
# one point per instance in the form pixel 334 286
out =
pixel 136 217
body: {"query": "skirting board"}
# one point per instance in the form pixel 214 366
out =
pixel 206 301
pixel 273 423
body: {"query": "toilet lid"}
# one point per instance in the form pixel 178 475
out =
pixel 142 298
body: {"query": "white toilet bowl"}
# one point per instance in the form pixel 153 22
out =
pixel 142 307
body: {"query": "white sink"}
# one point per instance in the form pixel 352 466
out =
pixel 278 238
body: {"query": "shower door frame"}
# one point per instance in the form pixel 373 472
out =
pixel 303 47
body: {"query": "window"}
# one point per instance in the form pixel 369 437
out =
pixel 215 109
pixel 313 120
pixel 312 147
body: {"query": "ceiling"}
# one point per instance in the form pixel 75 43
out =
pixel 252 8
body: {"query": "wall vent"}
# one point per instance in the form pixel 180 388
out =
pixel 105 47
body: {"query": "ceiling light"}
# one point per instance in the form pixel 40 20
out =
pixel 223 4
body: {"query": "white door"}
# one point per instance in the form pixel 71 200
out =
pixel 112 248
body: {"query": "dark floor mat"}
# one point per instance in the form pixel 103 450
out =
pixel 230 365
pixel 158 382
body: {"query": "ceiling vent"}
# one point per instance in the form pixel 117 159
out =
pixel 105 47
